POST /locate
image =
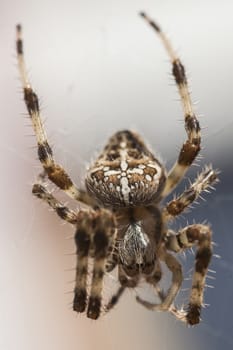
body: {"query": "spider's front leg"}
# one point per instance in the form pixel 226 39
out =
pixel 94 236
pixel 191 147
pixel 199 235
pixel 54 171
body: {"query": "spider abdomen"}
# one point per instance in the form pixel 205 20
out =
pixel 126 173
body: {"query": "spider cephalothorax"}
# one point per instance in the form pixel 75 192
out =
pixel 124 226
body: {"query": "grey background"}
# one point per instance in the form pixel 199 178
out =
pixel 97 68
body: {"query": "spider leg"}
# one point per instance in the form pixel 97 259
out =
pixel 126 282
pixel 94 235
pixel 54 171
pixel 156 276
pixel 154 280
pixel 83 237
pixel 115 298
pixel 112 260
pixel 207 178
pixel 62 211
pixel 191 147
pixel 167 300
pixel 189 236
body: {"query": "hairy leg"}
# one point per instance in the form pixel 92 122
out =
pixel 205 181
pixel 94 235
pixel 62 211
pixel 54 171
pixel 191 147
pixel 199 235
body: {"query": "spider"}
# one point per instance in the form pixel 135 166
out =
pixel 124 226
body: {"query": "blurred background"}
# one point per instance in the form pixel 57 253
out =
pixel 98 68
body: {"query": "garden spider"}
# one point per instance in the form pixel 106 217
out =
pixel 124 227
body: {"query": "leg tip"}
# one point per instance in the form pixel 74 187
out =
pixel 193 315
pixel 142 14
pixel 93 311
pixel 79 303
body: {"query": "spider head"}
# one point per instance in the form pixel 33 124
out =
pixel 136 251
pixel 126 173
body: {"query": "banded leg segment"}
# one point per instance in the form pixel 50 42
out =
pixel 93 237
pixel 62 211
pixel 199 235
pixel 102 240
pixel 83 238
pixel 53 170
pixel 191 147
pixel 205 181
